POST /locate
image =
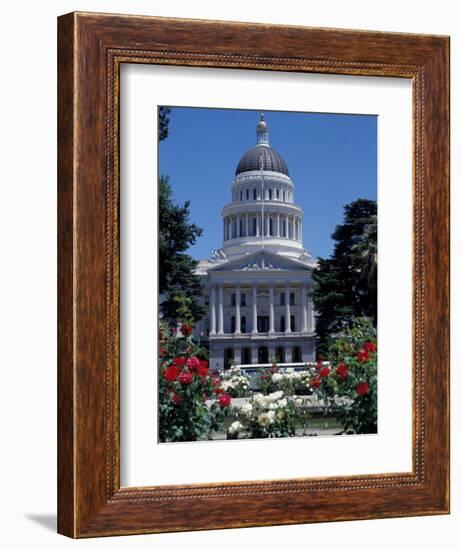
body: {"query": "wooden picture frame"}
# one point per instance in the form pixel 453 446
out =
pixel 91 49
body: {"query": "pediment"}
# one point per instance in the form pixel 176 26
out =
pixel 262 261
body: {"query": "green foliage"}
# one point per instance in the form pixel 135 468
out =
pixel 351 387
pixel 345 284
pixel 185 384
pixel 163 122
pixel 272 415
pixel 177 280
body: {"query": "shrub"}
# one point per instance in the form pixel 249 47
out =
pixel 185 384
pixel 235 383
pixel 273 415
pixel 352 378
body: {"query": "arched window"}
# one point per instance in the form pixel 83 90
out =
pixel 282 323
pixel 271 230
pixel 254 194
pixel 248 194
pixel 270 194
pixel 243 324
pixel 254 227
pixel 232 324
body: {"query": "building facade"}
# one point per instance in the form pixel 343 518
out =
pixel 257 284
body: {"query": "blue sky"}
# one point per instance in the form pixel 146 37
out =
pixel 332 160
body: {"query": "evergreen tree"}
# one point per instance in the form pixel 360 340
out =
pixel 177 280
pixel 345 284
pixel 179 286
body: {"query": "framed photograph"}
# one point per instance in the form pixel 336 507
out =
pixel 253 275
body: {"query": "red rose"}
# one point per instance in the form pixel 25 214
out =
pixel 323 373
pixel 192 363
pixel 315 382
pixel 175 399
pixel 219 391
pixel 362 355
pixel 185 377
pixel 362 388
pixel 215 380
pixel 171 373
pixel 370 347
pixel 319 364
pixel 179 361
pixel 202 368
pixel 224 400
pixel 342 371
pixel 186 330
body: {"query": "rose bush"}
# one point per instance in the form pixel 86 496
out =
pixel 273 415
pixel 185 385
pixel 352 379
pixel 235 383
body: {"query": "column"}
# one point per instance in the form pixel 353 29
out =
pixel 220 309
pixel 287 229
pixel 287 310
pixel 254 328
pixel 257 225
pixel 267 225
pixel 278 225
pixel 237 310
pixel 300 229
pixel 271 310
pixel 247 232
pixel 304 308
pixel 212 310
pixel 312 315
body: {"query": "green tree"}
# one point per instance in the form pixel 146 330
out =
pixel 177 281
pixel 163 122
pixel 345 284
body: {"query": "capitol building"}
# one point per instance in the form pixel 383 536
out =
pixel 257 284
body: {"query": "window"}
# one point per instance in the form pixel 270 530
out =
pixel 263 355
pixel 270 194
pixel 254 227
pixel 241 195
pixel 263 323
pixel 282 298
pixel 248 194
pixel 243 324
pixel 241 228
pixel 228 357
pixel 233 299
pixel 243 299
pixel 292 323
pixel 292 298
pixel 284 196
pixel 297 355
pixel 282 323
pixel 280 354
pixel 278 193
pixel 254 194
pixel 246 356
pixel 232 325
pixel 271 232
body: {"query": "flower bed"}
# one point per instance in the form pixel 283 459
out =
pixel 196 403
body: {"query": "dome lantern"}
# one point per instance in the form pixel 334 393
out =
pixel 262 132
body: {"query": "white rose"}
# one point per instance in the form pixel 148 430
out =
pixel 271 415
pixel 280 414
pixel 276 377
pixel 264 419
pixel 275 396
pixel 282 403
pixel 247 408
pixel 235 427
